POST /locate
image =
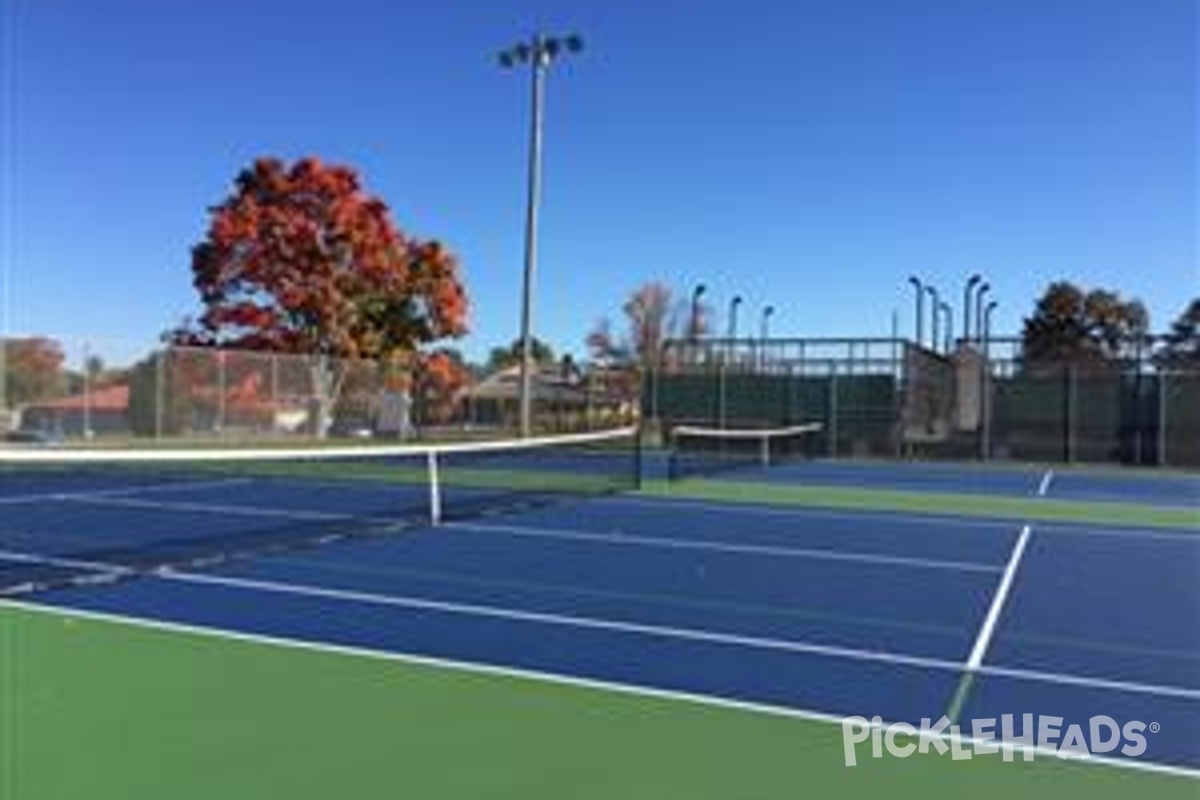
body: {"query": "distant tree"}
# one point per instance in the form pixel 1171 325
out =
pixel 33 369
pixel 95 375
pixel 301 259
pixel 1181 348
pixel 160 395
pixel 504 357
pixel 652 316
pixel 1092 328
pixel 442 375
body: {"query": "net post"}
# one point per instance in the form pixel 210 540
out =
pixel 435 488
pixel 765 450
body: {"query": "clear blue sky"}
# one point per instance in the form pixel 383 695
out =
pixel 809 154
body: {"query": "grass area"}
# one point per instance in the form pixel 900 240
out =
pixel 101 710
pixel 1031 509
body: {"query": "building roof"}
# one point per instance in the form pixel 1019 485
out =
pixel 549 383
pixel 109 398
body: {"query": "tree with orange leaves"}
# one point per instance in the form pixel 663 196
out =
pixel 300 259
pixel 441 378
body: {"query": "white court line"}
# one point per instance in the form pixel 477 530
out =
pixel 522 674
pixel 189 486
pixel 1044 486
pixel 656 631
pixel 975 660
pixel 60 561
pixel 220 508
pixel 1164 534
pixel 669 543
pixel 1087 682
pixel 558 620
pixel 911 518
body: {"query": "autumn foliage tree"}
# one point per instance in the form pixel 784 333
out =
pixel 33 369
pixel 1181 345
pixel 442 375
pixel 300 259
pixel 652 316
pixel 1091 328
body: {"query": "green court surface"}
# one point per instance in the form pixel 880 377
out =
pixel 990 506
pixel 99 710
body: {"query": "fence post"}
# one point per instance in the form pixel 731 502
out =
pixel 160 392
pixel 1139 416
pixel 833 409
pixel 650 387
pixel 791 417
pixel 722 410
pixel 985 404
pixel 220 355
pixel 275 401
pixel 1162 419
pixel 897 390
pixel 1068 413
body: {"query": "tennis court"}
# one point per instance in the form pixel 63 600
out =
pixel 1065 483
pixel 701 638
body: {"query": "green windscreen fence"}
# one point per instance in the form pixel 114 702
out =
pixel 906 400
pixel 858 413
pixel 1065 414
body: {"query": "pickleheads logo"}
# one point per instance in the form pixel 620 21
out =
pixel 1040 735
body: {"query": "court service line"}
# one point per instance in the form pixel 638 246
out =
pixel 988 629
pixel 1089 682
pixel 297 514
pixel 1182 535
pixel 557 620
pixel 913 518
pixel 124 491
pixel 672 543
pixel 310 591
pixel 1044 486
pixel 519 673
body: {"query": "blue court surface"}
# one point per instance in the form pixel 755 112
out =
pixel 836 613
pixel 1112 485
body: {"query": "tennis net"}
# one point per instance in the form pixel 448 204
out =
pixel 90 515
pixel 697 451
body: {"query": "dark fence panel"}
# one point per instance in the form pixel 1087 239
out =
pixel 880 398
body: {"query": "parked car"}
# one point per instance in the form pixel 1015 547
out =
pixel 26 436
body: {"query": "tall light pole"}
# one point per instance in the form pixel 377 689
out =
pixel 920 312
pixel 984 288
pixel 945 308
pixel 539 52
pixel 694 320
pixel 764 333
pixel 733 310
pixel 765 327
pixel 935 301
pixel 972 282
pixel 985 326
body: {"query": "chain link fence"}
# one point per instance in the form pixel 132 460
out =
pixel 59 389
pixel 893 398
